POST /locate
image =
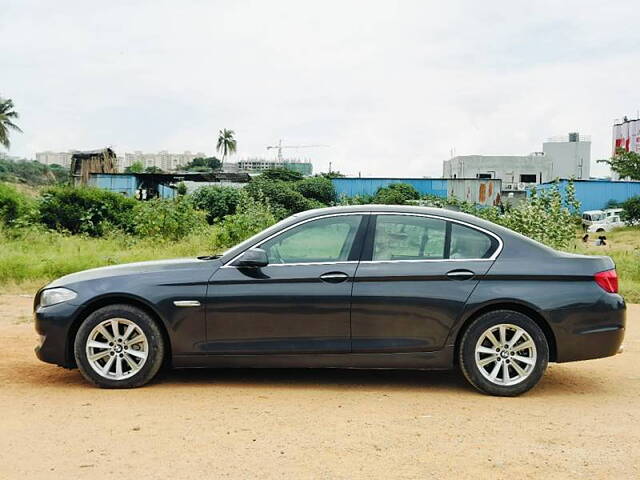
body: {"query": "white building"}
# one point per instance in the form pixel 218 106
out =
pixel 516 172
pixel 58 158
pixel 570 155
pixel 562 157
pixel 164 160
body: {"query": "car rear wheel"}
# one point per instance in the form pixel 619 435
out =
pixel 504 353
pixel 119 346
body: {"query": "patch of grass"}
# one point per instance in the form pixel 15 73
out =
pixel 623 246
pixel 30 258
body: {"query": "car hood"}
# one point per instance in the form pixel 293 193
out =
pixel 137 268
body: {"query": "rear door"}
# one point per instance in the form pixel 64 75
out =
pixel 415 277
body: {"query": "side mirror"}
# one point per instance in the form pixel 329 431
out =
pixel 255 257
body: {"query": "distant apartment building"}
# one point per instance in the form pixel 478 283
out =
pixel 567 157
pixel 57 158
pixel 164 160
pixel 256 165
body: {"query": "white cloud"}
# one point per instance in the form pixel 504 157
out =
pixel 390 86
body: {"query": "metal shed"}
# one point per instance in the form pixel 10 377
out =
pixel 350 187
pixel 481 191
pixel 595 194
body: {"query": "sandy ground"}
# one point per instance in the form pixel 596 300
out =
pixel 582 421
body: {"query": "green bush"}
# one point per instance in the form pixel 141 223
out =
pixel 217 202
pixel 167 219
pixel 320 189
pixel 280 173
pixel 252 216
pixel 13 204
pixel 282 196
pixel 396 194
pixel 631 208
pixel 87 210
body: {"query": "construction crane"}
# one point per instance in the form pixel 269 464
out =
pixel 279 146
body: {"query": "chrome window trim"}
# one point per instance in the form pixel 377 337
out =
pixel 411 214
pixel 259 244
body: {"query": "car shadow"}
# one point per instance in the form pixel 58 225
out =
pixel 320 378
pixel 558 380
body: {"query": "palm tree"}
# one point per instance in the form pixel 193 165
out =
pixel 6 114
pixel 226 143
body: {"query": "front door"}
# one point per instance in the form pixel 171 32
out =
pixel 300 302
pixel 415 277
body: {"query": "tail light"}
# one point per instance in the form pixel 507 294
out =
pixel 608 280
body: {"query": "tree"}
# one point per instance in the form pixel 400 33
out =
pixel 226 143
pixel 153 169
pixel 7 115
pixel 280 173
pixel 203 164
pixel 396 194
pixel 625 164
pixel 136 167
pixel 318 188
pixel 631 210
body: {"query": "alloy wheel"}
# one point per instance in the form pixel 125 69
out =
pixel 505 354
pixel 117 348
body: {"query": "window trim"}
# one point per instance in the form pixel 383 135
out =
pixel 368 250
pixel 364 222
pixel 366 247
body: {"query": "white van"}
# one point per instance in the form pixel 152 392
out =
pixel 591 217
pixel 606 225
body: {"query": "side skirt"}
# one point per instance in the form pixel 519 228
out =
pixel 440 360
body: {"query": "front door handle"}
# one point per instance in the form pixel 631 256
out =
pixel 334 277
pixel 460 274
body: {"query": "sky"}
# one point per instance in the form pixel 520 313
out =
pixel 391 88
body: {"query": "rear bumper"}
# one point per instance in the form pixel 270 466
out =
pixel 594 333
pixel 52 325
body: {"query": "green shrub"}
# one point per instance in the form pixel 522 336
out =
pixel 217 202
pixel 86 210
pixel 252 216
pixel 13 204
pixel 320 189
pixel 167 219
pixel 280 173
pixel 282 196
pixel 396 194
pixel 631 208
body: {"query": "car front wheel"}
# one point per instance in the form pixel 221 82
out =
pixel 119 346
pixel 503 353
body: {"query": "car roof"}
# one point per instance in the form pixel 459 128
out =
pixel 440 212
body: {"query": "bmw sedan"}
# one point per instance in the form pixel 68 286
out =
pixel 393 287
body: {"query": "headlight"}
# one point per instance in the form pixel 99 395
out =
pixel 52 296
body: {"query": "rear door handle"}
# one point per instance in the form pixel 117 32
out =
pixel 460 274
pixel 334 277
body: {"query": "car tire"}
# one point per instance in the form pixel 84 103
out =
pixel 119 346
pixel 494 366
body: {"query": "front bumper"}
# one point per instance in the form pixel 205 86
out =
pixel 53 325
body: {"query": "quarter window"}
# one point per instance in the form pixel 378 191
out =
pixel 405 237
pixel 470 243
pixel 328 239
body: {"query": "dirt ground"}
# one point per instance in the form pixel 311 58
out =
pixel 582 421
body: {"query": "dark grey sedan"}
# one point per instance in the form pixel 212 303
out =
pixel 349 287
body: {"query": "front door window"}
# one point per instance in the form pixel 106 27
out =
pixel 328 239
